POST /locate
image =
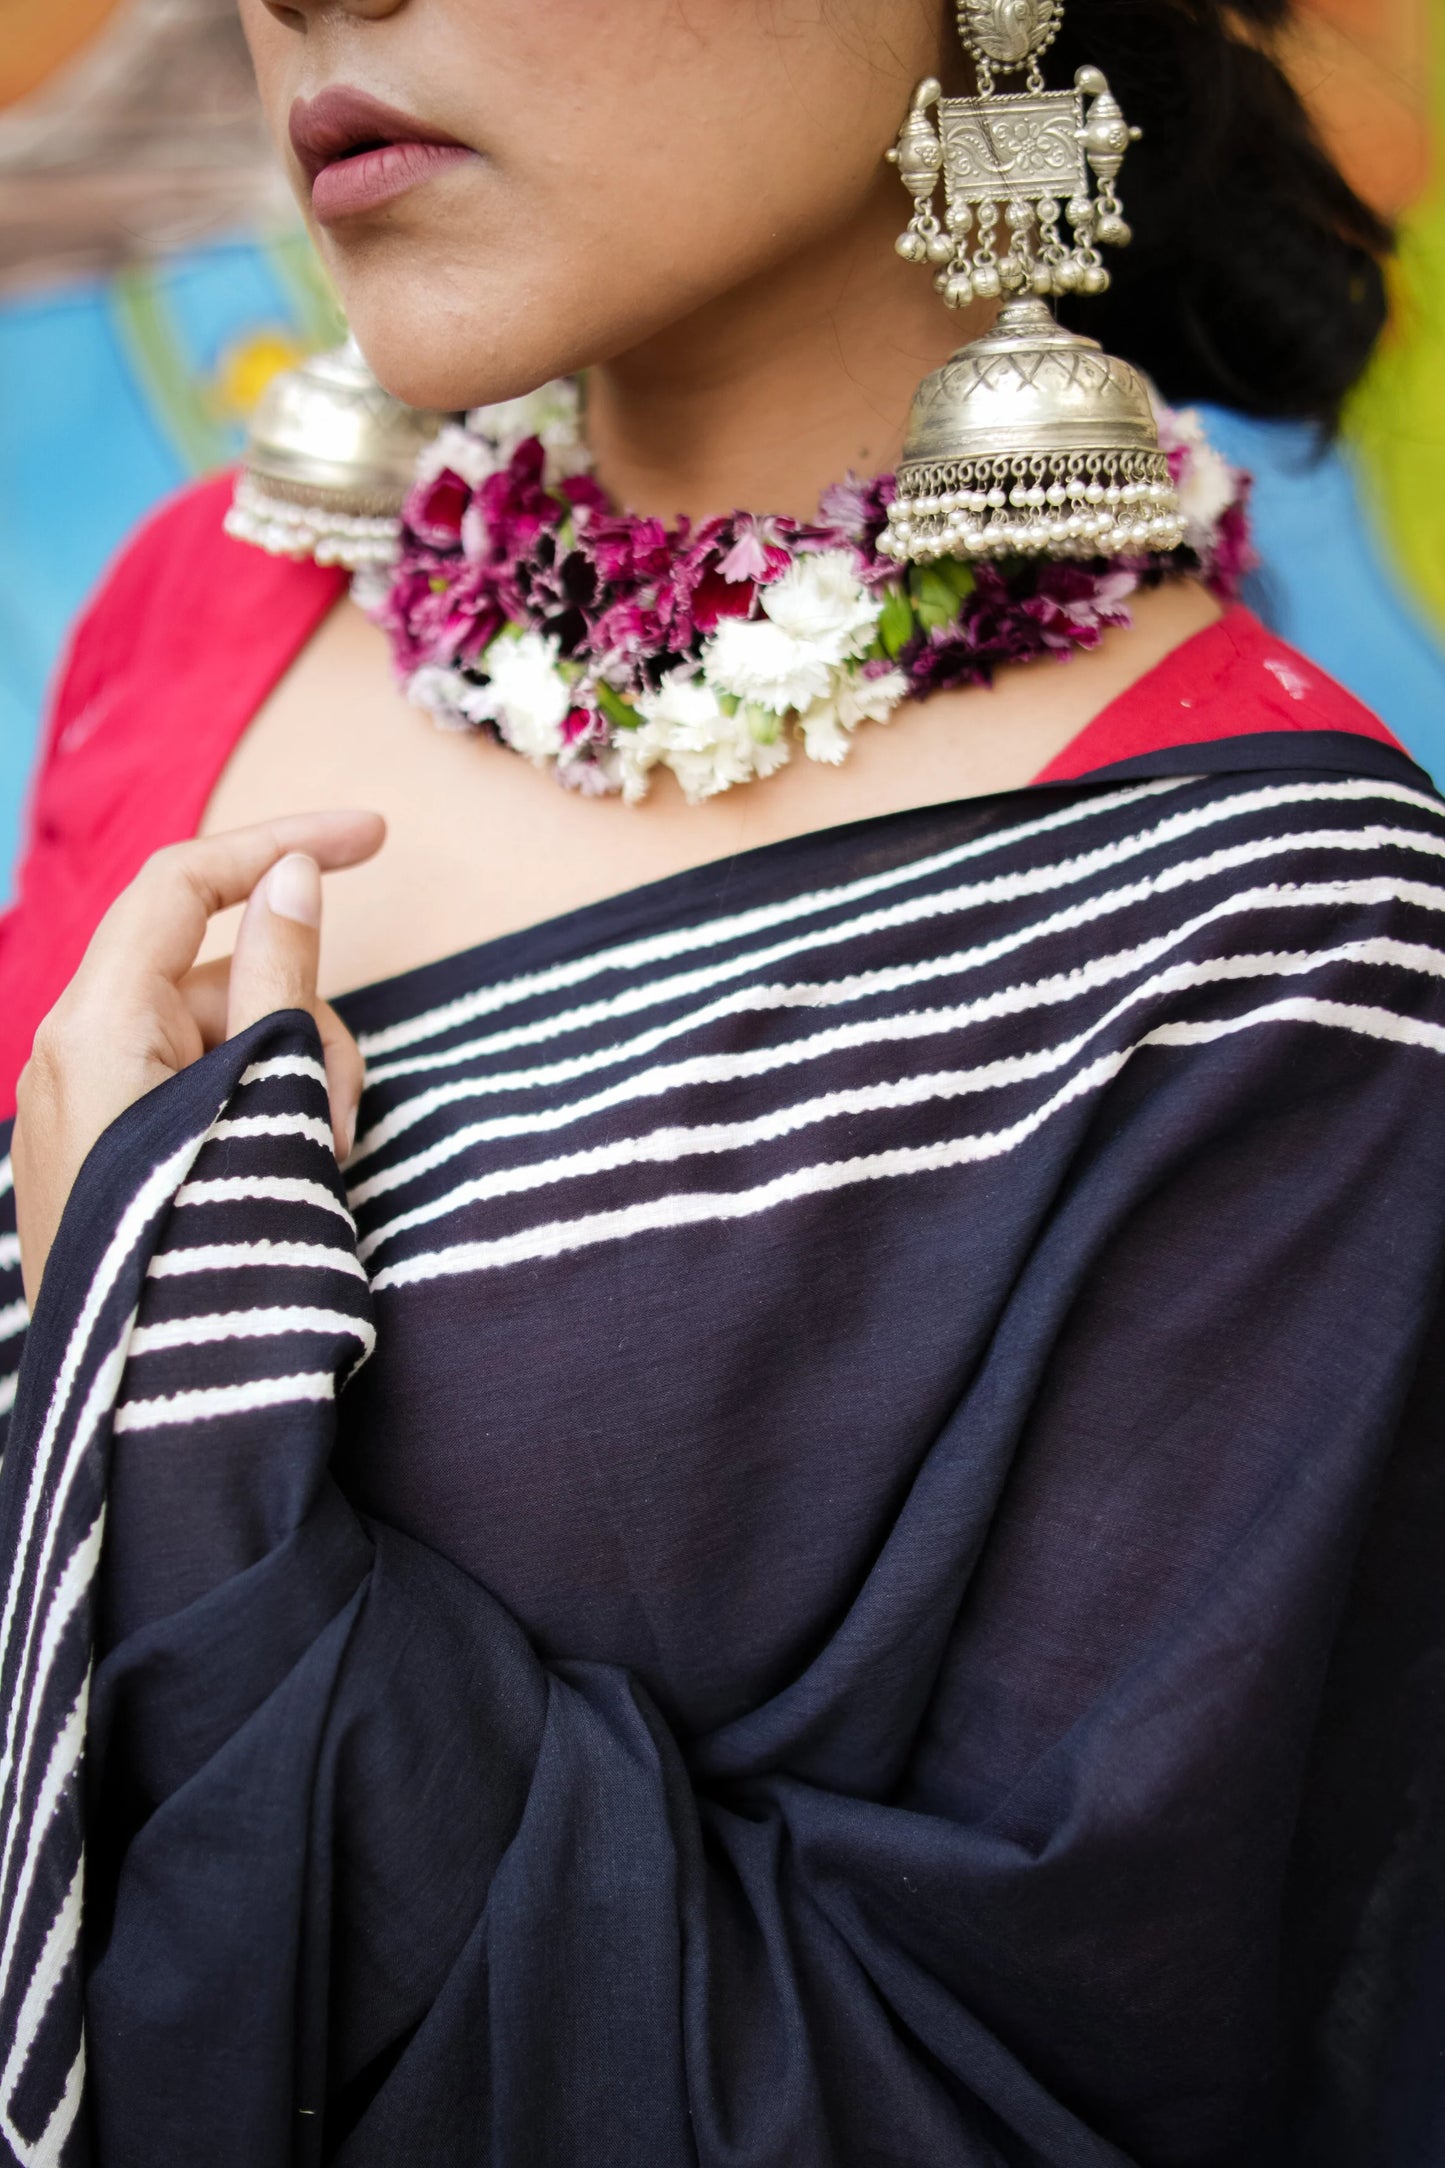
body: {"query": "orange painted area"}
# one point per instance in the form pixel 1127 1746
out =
pixel 1395 32
pixel 40 36
pixel 1364 67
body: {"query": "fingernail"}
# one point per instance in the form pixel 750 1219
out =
pixel 293 889
pixel 348 1136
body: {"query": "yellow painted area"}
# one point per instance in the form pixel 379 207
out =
pixel 1397 421
pixel 39 36
pixel 246 369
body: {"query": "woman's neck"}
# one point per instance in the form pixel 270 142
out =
pixel 761 399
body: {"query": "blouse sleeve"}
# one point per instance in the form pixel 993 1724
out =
pixel 169 662
pixel 1103 1829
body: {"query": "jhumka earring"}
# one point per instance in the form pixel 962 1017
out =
pixel 1031 440
pixel 329 459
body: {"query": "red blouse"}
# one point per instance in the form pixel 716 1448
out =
pixel 191 631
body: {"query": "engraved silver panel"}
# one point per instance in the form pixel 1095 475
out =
pixel 1024 146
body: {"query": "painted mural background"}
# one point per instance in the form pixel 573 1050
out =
pixel 153 278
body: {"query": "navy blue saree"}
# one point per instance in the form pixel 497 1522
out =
pixel 826 1552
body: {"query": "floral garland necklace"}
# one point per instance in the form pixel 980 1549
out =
pixel 603 645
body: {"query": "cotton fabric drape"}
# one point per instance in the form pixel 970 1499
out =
pixel 825 1553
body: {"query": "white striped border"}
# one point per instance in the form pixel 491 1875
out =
pixel 649 950
pixel 1001 888
pixel 262 1189
pixel 239 1256
pixel 668 1145
pixel 204 1403
pixel 272 1321
pixel 1186 873
pixel 693 1208
pixel 1014 999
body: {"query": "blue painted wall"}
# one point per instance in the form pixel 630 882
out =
pixel 1325 586
pixel 112 394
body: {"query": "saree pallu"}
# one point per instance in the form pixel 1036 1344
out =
pixel 825 1553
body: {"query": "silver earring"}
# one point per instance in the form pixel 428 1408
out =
pixel 329 459
pixel 1031 441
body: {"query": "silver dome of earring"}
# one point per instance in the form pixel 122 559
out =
pixel 329 459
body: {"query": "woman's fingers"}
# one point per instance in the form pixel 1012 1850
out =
pixel 274 967
pixel 157 924
pixel 278 945
pixel 205 992
pixel 345 1075
pixel 136 1012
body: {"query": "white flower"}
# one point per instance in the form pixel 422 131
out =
pixel 816 616
pixel 756 660
pixel 596 772
pixel 1208 485
pixel 827 726
pixel 442 694
pixel 527 696
pixel 821 600
pixel 371 587
pixel 637 754
pixel 553 413
pixel 456 450
pixel 686 727
pixel 485 442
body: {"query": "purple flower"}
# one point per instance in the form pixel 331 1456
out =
pixel 1015 615
pixel 853 514
pixel 718 594
pixel 582 725
pixel 628 552
pixel 1234 555
pixel 586 496
pixel 757 553
pixel 510 510
pixel 435 509
pixel 623 635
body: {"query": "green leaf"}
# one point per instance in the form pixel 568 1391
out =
pixel 938 590
pixel 619 712
pixel 895 624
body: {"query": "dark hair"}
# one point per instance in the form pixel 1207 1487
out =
pixel 1255 276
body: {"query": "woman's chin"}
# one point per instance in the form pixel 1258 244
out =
pixel 424 357
pixel 429 352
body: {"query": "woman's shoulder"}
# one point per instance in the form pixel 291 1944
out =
pixel 1254 814
pixel 184 596
pixel 182 641
pixel 1231 683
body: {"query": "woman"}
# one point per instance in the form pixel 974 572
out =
pixel 825 1552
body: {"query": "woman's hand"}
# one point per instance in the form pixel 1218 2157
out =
pixel 136 1011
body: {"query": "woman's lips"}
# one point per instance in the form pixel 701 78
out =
pixel 371 177
pixel 359 152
